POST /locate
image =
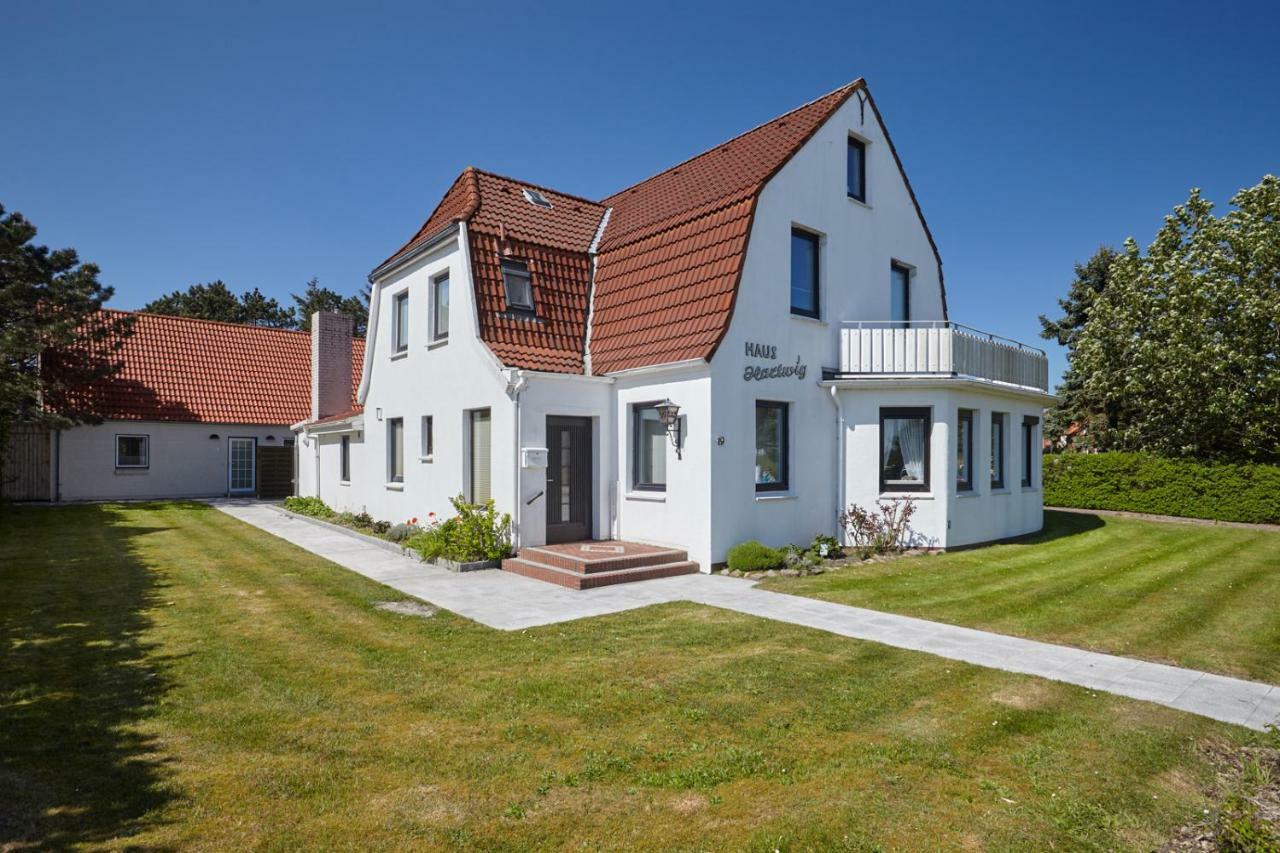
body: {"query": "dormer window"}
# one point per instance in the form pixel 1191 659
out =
pixel 518 286
pixel 536 198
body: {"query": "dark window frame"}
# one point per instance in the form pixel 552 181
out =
pixel 966 416
pixel 1029 424
pixel 146 451
pixel 816 240
pixel 894 267
pixel 508 265
pixel 427 437
pixel 998 461
pixel 438 334
pixel 637 482
pixel 400 321
pixel 861 148
pixel 394 452
pixel 907 412
pixel 784 451
pixel 344 460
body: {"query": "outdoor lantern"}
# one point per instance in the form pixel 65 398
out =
pixel 669 415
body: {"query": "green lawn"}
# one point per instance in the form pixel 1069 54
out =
pixel 173 678
pixel 1199 596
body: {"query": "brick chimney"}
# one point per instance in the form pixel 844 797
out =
pixel 330 364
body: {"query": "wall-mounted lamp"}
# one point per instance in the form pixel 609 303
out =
pixel 669 416
pixel 378 413
pixel 213 436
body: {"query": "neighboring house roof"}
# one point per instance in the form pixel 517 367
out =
pixel 668 261
pixel 182 369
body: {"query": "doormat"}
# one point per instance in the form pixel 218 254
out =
pixel 602 549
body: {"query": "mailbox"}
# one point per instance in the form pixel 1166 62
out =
pixel 533 457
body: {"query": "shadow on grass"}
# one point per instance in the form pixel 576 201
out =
pixel 1057 525
pixel 77 679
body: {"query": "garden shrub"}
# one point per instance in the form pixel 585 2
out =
pixel 1138 482
pixel 753 556
pixel 883 530
pixel 402 532
pixel 826 547
pixel 313 507
pixel 477 532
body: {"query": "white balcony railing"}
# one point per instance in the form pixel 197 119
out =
pixel 939 348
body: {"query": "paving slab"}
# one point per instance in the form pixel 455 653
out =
pixel 510 602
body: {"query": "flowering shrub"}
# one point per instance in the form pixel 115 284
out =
pixel 884 530
pixel 477 532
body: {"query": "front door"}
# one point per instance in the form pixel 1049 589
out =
pixel 569 477
pixel 240 465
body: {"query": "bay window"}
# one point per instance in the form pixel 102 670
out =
pixel 964 451
pixel 1029 424
pixel 904 449
pixel 997 450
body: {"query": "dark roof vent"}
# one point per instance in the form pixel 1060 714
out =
pixel 536 198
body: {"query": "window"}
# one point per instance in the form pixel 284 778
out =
pixel 395 450
pixel 518 286
pixel 401 321
pixel 344 460
pixel 772 474
pixel 480 462
pixel 964 451
pixel 428 445
pixel 904 450
pixel 900 294
pixel 440 308
pixel 857 169
pixel 997 450
pixel 804 273
pixel 1029 423
pixel 650 449
pixel 133 451
pixel 536 198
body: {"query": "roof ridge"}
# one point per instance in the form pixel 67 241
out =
pixel 859 82
pixel 204 320
pixel 542 187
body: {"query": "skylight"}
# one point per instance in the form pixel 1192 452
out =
pixel 537 198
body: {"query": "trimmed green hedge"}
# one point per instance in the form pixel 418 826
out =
pixel 1136 482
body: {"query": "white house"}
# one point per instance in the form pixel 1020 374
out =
pixel 781 289
pixel 193 407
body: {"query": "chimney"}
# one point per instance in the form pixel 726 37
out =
pixel 330 364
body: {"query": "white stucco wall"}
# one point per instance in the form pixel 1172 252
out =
pixel 184 461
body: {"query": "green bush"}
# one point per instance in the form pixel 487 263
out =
pixel 402 532
pixel 753 556
pixel 478 532
pixel 308 506
pixel 1136 482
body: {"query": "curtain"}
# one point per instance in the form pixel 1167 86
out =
pixel 911 441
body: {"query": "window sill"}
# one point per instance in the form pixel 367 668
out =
pixel 1028 489
pixel 131 471
pixel 971 493
pixel 765 497
pixel 817 321
pixel 859 202
pixel 395 487
pixel 999 490
pixel 899 496
pixel 652 497
pixel 437 344
pixel 427 458
pixel 396 356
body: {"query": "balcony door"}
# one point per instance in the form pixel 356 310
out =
pixel 569 477
pixel 241 453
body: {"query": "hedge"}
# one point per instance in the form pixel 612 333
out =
pixel 1136 482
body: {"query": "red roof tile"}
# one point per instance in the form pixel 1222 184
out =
pixel 668 261
pixel 180 369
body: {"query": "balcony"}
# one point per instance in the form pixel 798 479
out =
pixel 938 348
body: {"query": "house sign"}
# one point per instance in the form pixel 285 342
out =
pixel 773 371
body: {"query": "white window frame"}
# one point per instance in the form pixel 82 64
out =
pixel 146 451
pixel 400 323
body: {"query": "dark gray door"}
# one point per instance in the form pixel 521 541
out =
pixel 568 479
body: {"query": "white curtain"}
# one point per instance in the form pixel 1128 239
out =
pixel 911 440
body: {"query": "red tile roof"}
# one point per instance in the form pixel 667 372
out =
pixel 668 261
pixel 180 369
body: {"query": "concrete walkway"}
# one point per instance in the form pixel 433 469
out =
pixel 510 602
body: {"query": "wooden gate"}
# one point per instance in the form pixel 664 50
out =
pixel 24 471
pixel 275 472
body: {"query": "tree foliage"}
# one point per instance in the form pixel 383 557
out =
pixel 216 301
pixel 49 300
pixel 1181 350
pixel 317 298
pixel 1090 281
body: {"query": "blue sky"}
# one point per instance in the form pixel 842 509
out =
pixel 266 143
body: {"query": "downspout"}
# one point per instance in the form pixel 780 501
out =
pixel 316 442
pixel 516 382
pixel 840 472
pixel 57 466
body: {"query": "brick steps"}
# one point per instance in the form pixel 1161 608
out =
pixel 593 566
